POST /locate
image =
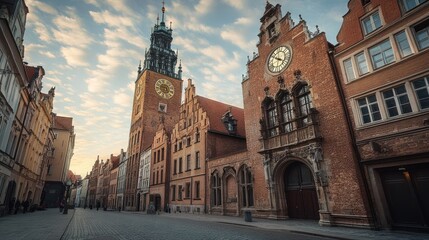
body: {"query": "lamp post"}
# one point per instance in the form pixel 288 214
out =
pixel 68 184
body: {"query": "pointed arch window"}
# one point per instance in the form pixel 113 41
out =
pixel 271 118
pixel 286 112
pixel 216 190
pixel 304 105
pixel 246 187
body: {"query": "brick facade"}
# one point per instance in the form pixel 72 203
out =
pixel 321 144
pixel 392 139
pixel 144 123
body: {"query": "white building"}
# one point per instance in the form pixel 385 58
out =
pixel 12 78
pixel 123 157
pixel 143 180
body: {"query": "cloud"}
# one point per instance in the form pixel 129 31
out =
pixel 203 7
pixel 43 7
pixel 69 30
pixel 238 4
pixel 122 98
pixel 75 57
pixel 111 20
pixel 47 54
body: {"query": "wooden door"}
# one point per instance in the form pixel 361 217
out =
pixel 301 193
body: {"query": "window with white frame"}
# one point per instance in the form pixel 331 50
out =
pixel 361 63
pixel 348 67
pixel 396 100
pixel 381 54
pixel 421 31
pixel 371 23
pixel 410 4
pixel 421 88
pixel 403 44
pixel 368 106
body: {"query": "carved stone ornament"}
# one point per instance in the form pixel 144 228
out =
pixel 311 152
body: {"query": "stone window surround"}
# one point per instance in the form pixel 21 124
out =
pixel 398 58
pixel 416 110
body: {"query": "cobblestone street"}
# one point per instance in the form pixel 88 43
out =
pixel 92 224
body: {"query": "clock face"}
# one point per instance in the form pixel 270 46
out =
pixel 279 59
pixel 164 88
pixel 138 90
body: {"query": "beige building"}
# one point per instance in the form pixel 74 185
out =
pixel 111 201
pixel 58 168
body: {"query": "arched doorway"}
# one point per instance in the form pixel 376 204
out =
pixel 300 192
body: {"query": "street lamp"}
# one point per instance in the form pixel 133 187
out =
pixel 68 184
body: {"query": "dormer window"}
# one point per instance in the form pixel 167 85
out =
pixel 371 23
pixel 230 123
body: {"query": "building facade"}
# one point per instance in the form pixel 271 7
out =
pixel 143 180
pixel 157 92
pixel 58 168
pixel 13 78
pixel 93 183
pixel 113 182
pixel 159 172
pixel 206 129
pixel 121 180
pixel 383 69
pixel 300 155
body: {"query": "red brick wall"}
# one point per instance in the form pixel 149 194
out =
pixel 311 57
pixel 351 30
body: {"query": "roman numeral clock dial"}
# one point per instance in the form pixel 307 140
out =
pixel 164 88
pixel 279 59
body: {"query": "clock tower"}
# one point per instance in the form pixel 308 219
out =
pixel 158 90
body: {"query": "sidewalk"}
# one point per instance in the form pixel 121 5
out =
pixel 48 224
pixel 302 226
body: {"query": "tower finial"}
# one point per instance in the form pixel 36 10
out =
pixel 180 69
pixel 163 11
pixel 157 20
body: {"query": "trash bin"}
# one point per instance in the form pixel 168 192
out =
pixel 247 216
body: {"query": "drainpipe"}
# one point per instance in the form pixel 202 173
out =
pixel 372 221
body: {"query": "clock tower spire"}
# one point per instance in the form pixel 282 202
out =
pixel 160 57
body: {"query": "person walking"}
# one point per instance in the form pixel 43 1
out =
pixel 61 205
pixel 25 206
pixel 11 205
pixel 17 205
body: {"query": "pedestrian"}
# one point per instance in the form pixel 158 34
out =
pixel 11 205
pixel 98 205
pixel 17 205
pixel 25 205
pixel 61 205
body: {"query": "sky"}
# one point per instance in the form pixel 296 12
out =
pixel 90 50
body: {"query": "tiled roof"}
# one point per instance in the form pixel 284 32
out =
pixel 64 123
pixel 115 162
pixel 31 72
pixel 215 110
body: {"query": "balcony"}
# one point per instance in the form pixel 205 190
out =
pixel 301 130
pixel 6 160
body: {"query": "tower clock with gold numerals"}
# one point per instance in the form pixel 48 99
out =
pixel 157 96
pixel 164 88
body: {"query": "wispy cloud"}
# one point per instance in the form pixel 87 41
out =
pixel 75 57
